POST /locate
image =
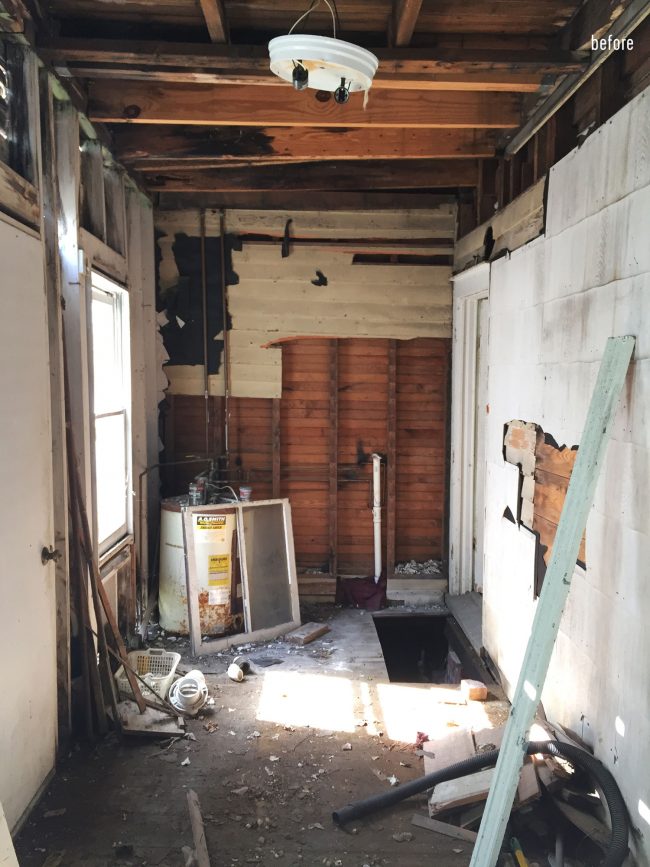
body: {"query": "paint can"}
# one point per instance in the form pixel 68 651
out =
pixel 245 493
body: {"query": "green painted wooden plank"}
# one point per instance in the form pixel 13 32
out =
pixel 557 583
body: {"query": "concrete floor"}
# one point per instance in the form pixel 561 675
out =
pixel 270 775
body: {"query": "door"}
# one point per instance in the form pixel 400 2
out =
pixel 28 720
pixel 479 443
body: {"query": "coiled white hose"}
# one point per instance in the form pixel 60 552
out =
pixel 190 693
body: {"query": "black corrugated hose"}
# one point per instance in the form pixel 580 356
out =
pixel 618 844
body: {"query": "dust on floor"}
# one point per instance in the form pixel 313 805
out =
pixel 270 762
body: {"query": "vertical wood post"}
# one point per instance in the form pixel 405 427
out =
pixel 573 520
pixel 333 457
pixel 275 440
pixel 391 459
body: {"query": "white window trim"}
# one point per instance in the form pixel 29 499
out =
pixel 100 283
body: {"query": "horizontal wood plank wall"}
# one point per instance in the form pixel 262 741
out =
pixel 423 369
pixel 276 298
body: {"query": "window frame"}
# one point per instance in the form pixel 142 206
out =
pixel 103 288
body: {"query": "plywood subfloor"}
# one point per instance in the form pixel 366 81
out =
pixel 305 710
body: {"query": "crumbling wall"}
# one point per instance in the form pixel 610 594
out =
pixel 553 304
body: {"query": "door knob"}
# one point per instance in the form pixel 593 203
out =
pixel 50 553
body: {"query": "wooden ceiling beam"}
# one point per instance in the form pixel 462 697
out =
pixel 147 149
pixel 136 102
pixel 498 82
pixel 215 20
pixel 405 16
pixel 250 64
pixel 287 200
pixel 333 176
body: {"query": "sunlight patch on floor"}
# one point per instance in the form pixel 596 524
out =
pixel 315 700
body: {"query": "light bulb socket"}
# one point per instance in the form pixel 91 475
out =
pixel 300 77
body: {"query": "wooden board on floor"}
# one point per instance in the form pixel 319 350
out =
pixel 458 793
pixel 307 632
pixel 152 723
pixel 198 830
pixel 443 828
pixel 456 746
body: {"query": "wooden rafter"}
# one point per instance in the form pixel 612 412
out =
pixel 215 19
pixel 294 200
pixel 246 64
pixel 147 149
pixel 405 16
pixel 364 175
pixel 136 102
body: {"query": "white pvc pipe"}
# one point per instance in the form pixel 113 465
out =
pixel 376 512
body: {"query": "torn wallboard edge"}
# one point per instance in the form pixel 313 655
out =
pixel 198 646
pixel 534 668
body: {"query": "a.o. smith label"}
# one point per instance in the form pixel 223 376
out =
pixel 210 522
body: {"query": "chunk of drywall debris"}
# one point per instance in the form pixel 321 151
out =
pixel 473 690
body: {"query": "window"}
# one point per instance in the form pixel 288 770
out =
pixel 111 402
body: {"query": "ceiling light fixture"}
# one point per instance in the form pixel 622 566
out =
pixel 322 62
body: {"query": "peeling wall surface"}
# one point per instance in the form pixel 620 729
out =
pixel 317 290
pixel 553 304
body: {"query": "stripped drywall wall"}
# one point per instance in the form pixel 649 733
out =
pixel 553 304
pixel 273 297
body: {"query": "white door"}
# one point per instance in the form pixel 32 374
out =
pixel 28 713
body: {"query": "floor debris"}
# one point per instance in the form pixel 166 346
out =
pixel 307 633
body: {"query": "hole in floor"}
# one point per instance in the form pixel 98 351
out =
pixel 416 648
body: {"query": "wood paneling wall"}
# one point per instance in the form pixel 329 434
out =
pixel 325 287
pixel 341 401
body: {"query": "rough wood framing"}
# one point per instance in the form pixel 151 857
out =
pixel 515 225
pixel 405 16
pixel 391 460
pixel 144 150
pixel 333 458
pixel 215 19
pixel 135 102
pixel 18 197
pixel 548 614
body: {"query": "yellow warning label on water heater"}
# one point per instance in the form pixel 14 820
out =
pixel 210 522
pixel 218 563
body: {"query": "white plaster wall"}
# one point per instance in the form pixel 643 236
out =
pixel 553 304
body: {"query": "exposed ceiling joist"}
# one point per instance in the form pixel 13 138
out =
pixel 332 176
pixel 509 82
pixel 250 64
pixel 137 102
pixel 286 200
pixel 405 16
pixel 215 19
pixel 144 148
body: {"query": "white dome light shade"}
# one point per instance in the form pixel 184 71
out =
pixel 326 59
